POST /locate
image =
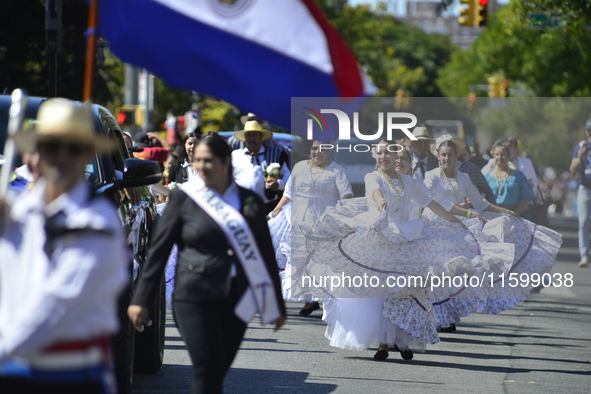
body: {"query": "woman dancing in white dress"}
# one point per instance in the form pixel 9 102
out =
pixel 450 188
pixel 314 185
pixel 534 249
pixel 408 323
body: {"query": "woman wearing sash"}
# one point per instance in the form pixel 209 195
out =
pixel 226 270
pixel 313 186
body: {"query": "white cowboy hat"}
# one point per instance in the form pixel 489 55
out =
pixel 251 116
pixel 250 126
pixel 64 120
pixel 421 133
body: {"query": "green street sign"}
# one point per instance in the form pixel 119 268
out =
pixel 543 20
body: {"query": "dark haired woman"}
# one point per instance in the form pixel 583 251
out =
pixel 313 186
pixel 226 269
pixel 510 186
pixel 532 248
pixel 182 171
pixel 383 242
pixel 450 187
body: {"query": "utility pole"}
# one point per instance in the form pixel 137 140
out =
pixel 53 40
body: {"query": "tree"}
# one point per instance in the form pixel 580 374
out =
pixel 25 64
pixel 396 56
pixel 552 62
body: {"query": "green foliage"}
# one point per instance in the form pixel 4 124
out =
pixel 218 115
pixel 396 56
pixel 25 63
pixel 548 128
pixel 552 62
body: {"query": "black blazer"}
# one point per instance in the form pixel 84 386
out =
pixel 177 173
pixel 205 258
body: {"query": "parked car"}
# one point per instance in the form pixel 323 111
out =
pixel 124 180
pixel 282 138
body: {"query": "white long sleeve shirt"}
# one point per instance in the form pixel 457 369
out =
pixel 249 174
pixel 70 292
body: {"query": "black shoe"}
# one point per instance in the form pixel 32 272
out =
pixel 451 328
pixel 406 354
pixel 308 311
pixel 381 355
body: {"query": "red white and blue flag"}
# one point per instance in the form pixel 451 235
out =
pixel 255 54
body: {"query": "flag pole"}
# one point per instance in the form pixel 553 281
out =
pixel 90 50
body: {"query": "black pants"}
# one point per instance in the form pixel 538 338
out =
pixel 212 334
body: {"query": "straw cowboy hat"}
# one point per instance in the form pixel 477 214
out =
pixel 253 125
pixel 460 144
pixel 62 119
pixel 421 133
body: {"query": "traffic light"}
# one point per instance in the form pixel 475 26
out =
pixel 498 86
pixel 504 88
pixel 401 101
pixel 481 15
pixel 493 86
pixel 467 14
pixel 471 101
pixel 130 115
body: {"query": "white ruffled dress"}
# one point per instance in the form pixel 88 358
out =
pixel 311 191
pixel 534 251
pixel 354 239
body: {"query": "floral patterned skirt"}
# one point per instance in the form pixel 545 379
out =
pixel 342 245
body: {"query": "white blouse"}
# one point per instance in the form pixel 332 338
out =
pixel 312 189
pixel 445 195
pixel 413 192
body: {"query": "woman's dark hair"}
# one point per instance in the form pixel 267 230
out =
pixel 448 143
pixel 407 152
pixel 218 147
pixel 499 144
pixel 387 142
pixel 183 154
pixel 512 140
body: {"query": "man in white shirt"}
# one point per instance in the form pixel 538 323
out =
pixel 63 265
pixel 422 159
pixel 250 163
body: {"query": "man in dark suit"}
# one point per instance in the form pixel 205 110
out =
pixel 422 159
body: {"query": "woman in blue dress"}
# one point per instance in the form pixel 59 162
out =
pixel 510 187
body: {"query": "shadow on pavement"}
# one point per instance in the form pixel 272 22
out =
pixel 453 364
pixel 256 381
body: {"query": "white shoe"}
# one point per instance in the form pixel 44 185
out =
pixel 584 262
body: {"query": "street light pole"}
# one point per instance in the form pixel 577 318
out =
pixel 53 40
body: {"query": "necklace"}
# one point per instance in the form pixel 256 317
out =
pixel 314 175
pixel 456 189
pixel 398 189
pixel 499 184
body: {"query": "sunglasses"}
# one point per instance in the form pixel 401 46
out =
pixel 53 148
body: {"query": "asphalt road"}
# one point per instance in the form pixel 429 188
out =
pixel 540 346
